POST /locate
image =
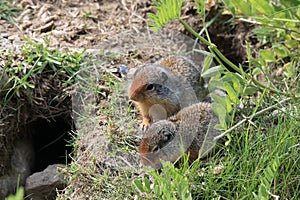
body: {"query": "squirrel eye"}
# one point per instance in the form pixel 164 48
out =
pixel 150 87
pixel 155 148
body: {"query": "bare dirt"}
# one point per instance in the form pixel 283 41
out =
pixel 84 24
pixel 75 24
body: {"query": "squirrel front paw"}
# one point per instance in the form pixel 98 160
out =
pixel 145 123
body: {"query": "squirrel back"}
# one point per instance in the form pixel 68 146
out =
pixel 191 131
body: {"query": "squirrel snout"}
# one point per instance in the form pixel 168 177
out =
pixel 135 93
pixel 147 157
pixel 136 88
pixel 133 96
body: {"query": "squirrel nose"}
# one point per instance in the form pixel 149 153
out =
pixel 133 95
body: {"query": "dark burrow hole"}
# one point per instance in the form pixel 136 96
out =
pixel 51 140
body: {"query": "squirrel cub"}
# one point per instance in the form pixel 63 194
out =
pixel 171 84
pixel 191 131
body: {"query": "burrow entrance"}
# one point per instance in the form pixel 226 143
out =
pixel 51 141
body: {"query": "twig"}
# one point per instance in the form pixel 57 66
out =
pixel 221 58
pixel 294 146
pixel 269 25
pixel 126 162
pixel 247 118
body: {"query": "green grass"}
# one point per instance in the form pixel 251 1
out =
pixel 266 161
pixel 7 10
pixel 244 168
pixel 18 196
pixel 261 159
pixel 37 60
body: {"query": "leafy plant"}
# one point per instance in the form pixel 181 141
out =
pixel 264 164
pixel 249 155
pixel 167 10
pixel 171 183
pixel 267 179
pixel 237 84
pixel 277 29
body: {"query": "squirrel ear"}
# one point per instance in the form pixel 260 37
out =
pixel 164 76
pixel 165 137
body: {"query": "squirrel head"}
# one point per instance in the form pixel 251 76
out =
pixel 150 81
pixel 156 138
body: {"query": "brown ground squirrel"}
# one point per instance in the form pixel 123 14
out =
pixel 171 84
pixel 190 130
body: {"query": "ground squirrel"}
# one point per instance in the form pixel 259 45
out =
pixel 190 130
pixel 171 84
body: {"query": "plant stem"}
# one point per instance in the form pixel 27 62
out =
pixel 213 48
pixel 248 118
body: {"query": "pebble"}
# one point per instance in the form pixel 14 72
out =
pixel 4 35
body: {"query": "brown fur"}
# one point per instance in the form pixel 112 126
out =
pixel 181 79
pixel 191 131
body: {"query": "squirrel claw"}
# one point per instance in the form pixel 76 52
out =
pixel 143 128
pixel 145 124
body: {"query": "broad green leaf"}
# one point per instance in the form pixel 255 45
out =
pixel 263 6
pixel 139 185
pixel 279 14
pixel 268 175
pixel 147 185
pixel 157 189
pixel 219 99
pixel 213 71
pixel 237 76
pixel 237 86
pixel 280 50
pixel 207 63
pixel 264 33
pixel 267 179
pixel 250 90
pixel 267 55
pixel 220 111
pixel 289 69
pixel 295 36
pixel 228 104
pixel 262 193
pixel 257 71
pixel 230 6
pixel 231 93
pixel 215 84
pixel 293 44
pixel 223 100
pixel 220 127
pixel 243 6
